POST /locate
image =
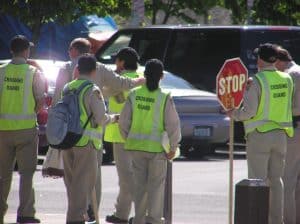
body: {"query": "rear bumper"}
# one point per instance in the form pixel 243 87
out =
pixel 204 129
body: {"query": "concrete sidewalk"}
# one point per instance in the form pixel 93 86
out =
pixel 49 218
pixel 45 218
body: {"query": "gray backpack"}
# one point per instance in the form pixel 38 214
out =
pixel 63 127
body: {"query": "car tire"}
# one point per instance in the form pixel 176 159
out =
pixel 108 155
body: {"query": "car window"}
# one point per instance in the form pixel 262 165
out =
pixel 198 54
pixel 289 39
pixel 121 41
pixel 171 81
pixel 149 43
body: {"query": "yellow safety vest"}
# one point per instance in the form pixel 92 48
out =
pixel 17 104
pixel 147 124
pixel 90 133
pixel 112 131
pixel 275 106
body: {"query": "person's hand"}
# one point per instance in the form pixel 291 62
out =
pixel 170 155
pixel 34 63
pixel 229 113
pixel 114 118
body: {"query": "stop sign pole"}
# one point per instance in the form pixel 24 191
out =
pixel 231 84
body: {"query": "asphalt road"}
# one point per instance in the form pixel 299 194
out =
pixel 200 192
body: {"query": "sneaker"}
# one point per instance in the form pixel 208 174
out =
pixel 27 220
pixel 130 220
pixel 91 216
pixel 115 219
pixel 90 222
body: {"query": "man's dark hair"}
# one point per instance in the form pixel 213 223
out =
pixel 19 43
pixel 130 58
pixel 153 73
pixel 82 45
pixel 86 64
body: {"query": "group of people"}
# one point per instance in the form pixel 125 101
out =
pixel 134 124
pixel 270 113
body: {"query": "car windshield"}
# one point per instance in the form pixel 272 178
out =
pixel 171 81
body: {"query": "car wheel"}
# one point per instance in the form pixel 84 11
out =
pixel 108 155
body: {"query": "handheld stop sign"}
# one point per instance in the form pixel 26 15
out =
pixel 231 84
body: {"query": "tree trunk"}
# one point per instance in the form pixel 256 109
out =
pixel 168 12
pixel 154 11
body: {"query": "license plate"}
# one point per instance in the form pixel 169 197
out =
pixel 202 131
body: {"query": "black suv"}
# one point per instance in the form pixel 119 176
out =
pixel 198 52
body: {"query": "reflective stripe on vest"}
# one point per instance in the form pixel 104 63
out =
pixel 92 134
pixel 253 124
pixel 23 116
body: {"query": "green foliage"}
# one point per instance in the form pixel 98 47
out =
pixel 277 12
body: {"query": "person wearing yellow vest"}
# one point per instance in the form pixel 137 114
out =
pixel 22 89
pixel 148 113
pixel 291 177
pixel 105 78
pixel 126 61
pixel 80 162
pixel 267 117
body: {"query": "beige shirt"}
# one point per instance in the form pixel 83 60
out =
pixel 252 97
pixel 38 85
pixel 105 78
pixel 171 122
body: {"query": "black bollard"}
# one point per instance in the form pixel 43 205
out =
pixel 251 202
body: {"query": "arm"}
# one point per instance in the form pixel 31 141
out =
pixel 106 77
pixel 97 107
pixel 39 90
pixel 250 104
pixel 126 119
pixel 172 124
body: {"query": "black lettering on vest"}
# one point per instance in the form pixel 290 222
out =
pixel 279 86
pixel 12 79
pixel 145 99
pixel 143 107
pixel 14 88
pixel 277 95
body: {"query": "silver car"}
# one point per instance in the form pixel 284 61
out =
pixel 204 126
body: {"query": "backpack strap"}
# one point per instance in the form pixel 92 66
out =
pixel 83 85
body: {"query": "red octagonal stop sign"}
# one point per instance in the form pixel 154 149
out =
pixel 231 83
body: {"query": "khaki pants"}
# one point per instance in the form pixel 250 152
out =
pixel 124 169
pixel 80 169
pixel 291 180
pixel 266 158
pixel 20 146
pixel 149 172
